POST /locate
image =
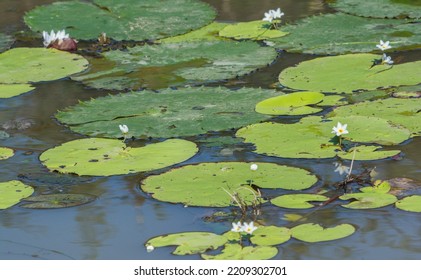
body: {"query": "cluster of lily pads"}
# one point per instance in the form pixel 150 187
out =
pixel 175 54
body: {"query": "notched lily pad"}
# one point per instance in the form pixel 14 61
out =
pixel 237 252
pixel 50 201
pixel 6 153
pixel 298 201
pixel 252 30
pixel 410 203
pixel 270 235
pixel 12 192
pixel 316 233
pixel 368 200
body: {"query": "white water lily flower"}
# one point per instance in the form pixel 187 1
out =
pixel 387 59
pixel 383 45
pixel 52 37
pixel 340 129
pixel 341 168
pixel 254 167
pixel 150 248
pixel 123 128
pixel 249 228
pixel 277 13
pixel 268 16
pixel 237 227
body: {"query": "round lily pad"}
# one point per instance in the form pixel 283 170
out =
pixel 254 30
pixel 122 19
pixel 6 153
pixel 174 64
pixel 270 235
pixel 410 203
pixel 169 113
pixel 297 201
pixel 237 252
pixel 188 242
pixel 105 157
pixel 51 201
pixel 11 90
pixel 341 33
pixel 5 42
pixel 214 184
pixel 316 233
pixel 347 73
pixel 12 192
pixel 380 8
pixel 25 65
pixel 368 200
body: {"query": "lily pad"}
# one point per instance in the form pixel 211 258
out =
pixel 297 201
pixel 316 233
pixel 105 157
pixel 236 252
pixel 368 200
pixel 214 184
pixel 169 113
pixel 11 90
pixel 5 42
pixel 25 65
pixel 291 104
pixel 410 203
pixel 379 187
pixel 6 153
pixel 341 33
pixel 122 20
pixel 12 192
pixel 206 33
pixel 161 65
pixel 253 30
pixel 188 243
pixel 51 201
pixel 347 73
pixel 379 8
pixel 270 235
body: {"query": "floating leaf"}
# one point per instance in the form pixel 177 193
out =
pixel 316 233
pixel 105 157
pixel 254 30
pixel 7 91
pixel 341 33
pixel 12 192
pixel 347 73
pixel 410 203
pixel 270 235
pixel 379 187
pixel 5 42
pixel 291 104
pixel 293 217
pixel 6 153
pixel 400 186
pixel 297 201
pixel 368 200
pixel 206 33
pixel 188 242
pixel 162 114
pixel 121 20
pixel 172 64
pixel 50 201
pixel 236 252
pixel 333 100
pixel 213 184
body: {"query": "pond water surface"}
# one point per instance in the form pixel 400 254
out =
pixel 123 218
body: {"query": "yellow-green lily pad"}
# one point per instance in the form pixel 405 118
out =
pixel 11 90
pixel 237 252
pixel 379 187
pixel 6 153
pixel 410 203
pixel 206 33
pixel 316 233
pixel 270 235
pixel 252 30
pixel 12 192
pixel 368 200
pixel 298 201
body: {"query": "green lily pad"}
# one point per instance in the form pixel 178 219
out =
pixel 379 8
pixel 163 114
pixel 236 252
pixel 379 187
pixel 347 73
pixel 316 233
pixel 291 104
pixel 5 42
pixel 188 243
pixel 11 90
pixel 297 201
pixel 105 157
pixel 254 30
pixel 213 184
pixel 270 235
pixel 122 20
pixel 333 100
pixel 25 65
pixel 341 33
pixel 52 201
pixel 368 200
pixel 12 192
pixel 410 203
pixel 206 33
pixel 363 152
pixel 174 64
pixel 6 153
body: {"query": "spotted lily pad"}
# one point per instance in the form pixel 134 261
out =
pixel 50 201
pixel 254 30
pixel 206 33
pixel 270 235
pixel 368 200
pixel 11 90
pixel 347 73
pixel 237 252
pixel 105 157
pixel 214 184
pixel 12 192
pixel 161 65
pixel 6 153
pixel 410 203
pixel 316 233
pixel 122 20
pixel 5 42
pixel 298 201
pixel 163 114
pixel 188 242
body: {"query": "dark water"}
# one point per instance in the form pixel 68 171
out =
pixel 117 224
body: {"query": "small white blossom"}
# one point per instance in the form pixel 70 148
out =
pixel 268 16
pixel 341 168
pixel 387 59
pixel 237 227
pixel 150 248
pixel 340 129
pixel 273 14
pixel 248 228
pixel 52 37
pixel 383 45
pixel 123 128
pixel 254 167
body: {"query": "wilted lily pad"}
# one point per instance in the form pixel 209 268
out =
pixel 254 30
pixel 410 203
pixel 213 184
pixel 11 90
pixel 50 201
pixel 105 157
pixel 368 200
pixel 298 201
pixel 189 242
pixel 6 153
pixel 316 233
pixel 12 192
pixel 347 73
pixel 237 252
pixel 270 235
pixel 5 42
pixel 169 113
pixel 174 64
pixel 122 20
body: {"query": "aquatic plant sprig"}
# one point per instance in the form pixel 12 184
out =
pixel 339 130
pixel 274 17
pixel 385 59
pixel 125 130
